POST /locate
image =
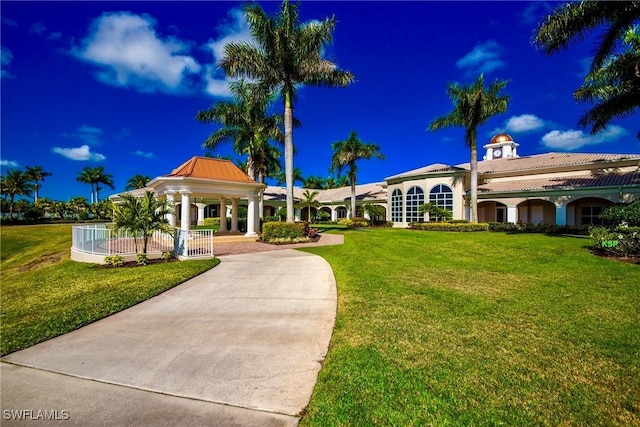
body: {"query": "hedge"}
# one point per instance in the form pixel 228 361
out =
pixel 282 232
pixel 448 226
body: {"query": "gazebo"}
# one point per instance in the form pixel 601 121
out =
pixel 204 180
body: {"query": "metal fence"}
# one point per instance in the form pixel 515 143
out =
pixel 98 239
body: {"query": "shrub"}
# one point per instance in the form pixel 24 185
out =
pixel 282 231
pixel 114 260
pixel 345 221
pixel 271 218
pixel 141 259
pixel 310 232
pixel 167 255
pixel 628 214
pixel 528 227
pixel 621 241
pixel 211 221
pixel 447 226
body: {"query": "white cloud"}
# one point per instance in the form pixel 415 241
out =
pixel 574 139
pixel 141 153
pixel 39 29
pixel 234 31
pixel 524 123
pixel 129 53
pixel 81 153
pixel 9 163
pixel 484 58
pixel 6 57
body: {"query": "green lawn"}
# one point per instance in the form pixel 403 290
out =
pixel 44 294
pixel 437 328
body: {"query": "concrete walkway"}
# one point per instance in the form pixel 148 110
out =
pixel 240 345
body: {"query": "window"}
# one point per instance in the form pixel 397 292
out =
pixel 590 215
pixel 396 206
pixel 415 198
pixel 441 196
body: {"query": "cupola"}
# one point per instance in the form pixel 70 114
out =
pixel 501 146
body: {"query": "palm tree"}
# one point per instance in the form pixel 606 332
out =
pixel 345 155
pixel 473 106
pixel 314 182
pixel 286 54
pixel 281 178
pixel 245 122
pixel 95 177
pixel 613 81
pixel 37 174
pixel 309 201
pixel 137 181
pixel 142 216
pixel 15 183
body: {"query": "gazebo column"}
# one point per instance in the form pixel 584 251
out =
pixel 201 207
pixel 223 215
pixel 185 211
pixel 252 212
pixel 171 217
pixel 234 215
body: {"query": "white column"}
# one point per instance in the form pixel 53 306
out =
pixel 234 215
pixel 561 215
pixel 512 214
pixel 334 213
pixel 171 217
pixel 223 215
pixel 185 211
pixel 251 215
pixel 261 205
pixel 297 214
pixel 201 207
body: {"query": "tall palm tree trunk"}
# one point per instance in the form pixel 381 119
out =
pixel 353 196
pixel 288 154
pixel 474 183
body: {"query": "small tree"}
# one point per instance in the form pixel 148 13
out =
pixel 374 212
pixel 435 212
pixel 142 216
pixel 309 201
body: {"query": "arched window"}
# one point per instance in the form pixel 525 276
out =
pixel 396 206
pixel 441 196
pixel 415 198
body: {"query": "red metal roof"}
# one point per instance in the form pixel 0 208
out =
pixel 210 168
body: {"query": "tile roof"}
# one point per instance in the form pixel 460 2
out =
pixel 434 168
pixel 210 168
pixel 586 180
pixel 373 191
pixel 547 160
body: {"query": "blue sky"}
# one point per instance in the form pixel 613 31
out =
pixel 118 84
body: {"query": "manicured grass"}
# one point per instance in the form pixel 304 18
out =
pixel 44 294
pixel 437 328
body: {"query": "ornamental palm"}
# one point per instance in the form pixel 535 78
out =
pixel 613 81
pixel 15 183
pixel 285 55
pixel 246 123
pixel 95 177
pixel 37 174
pixel 137 181
pixel 473 106
pixel 142 216
pixel 309 201
pixel 345 155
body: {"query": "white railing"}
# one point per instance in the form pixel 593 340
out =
pixel 194 243
pixel 98 239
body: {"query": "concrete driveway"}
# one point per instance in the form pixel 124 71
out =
pixel 241 344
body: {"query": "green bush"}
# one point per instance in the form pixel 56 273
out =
pixel 271 218
pixel 167 255
pixel 282 232
pixel 345 221
pixel 141 259
pixel 114 260
pixel 527 227
pixel 621 241
pixel 619 214
pixel 211 221
pixel 448 226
